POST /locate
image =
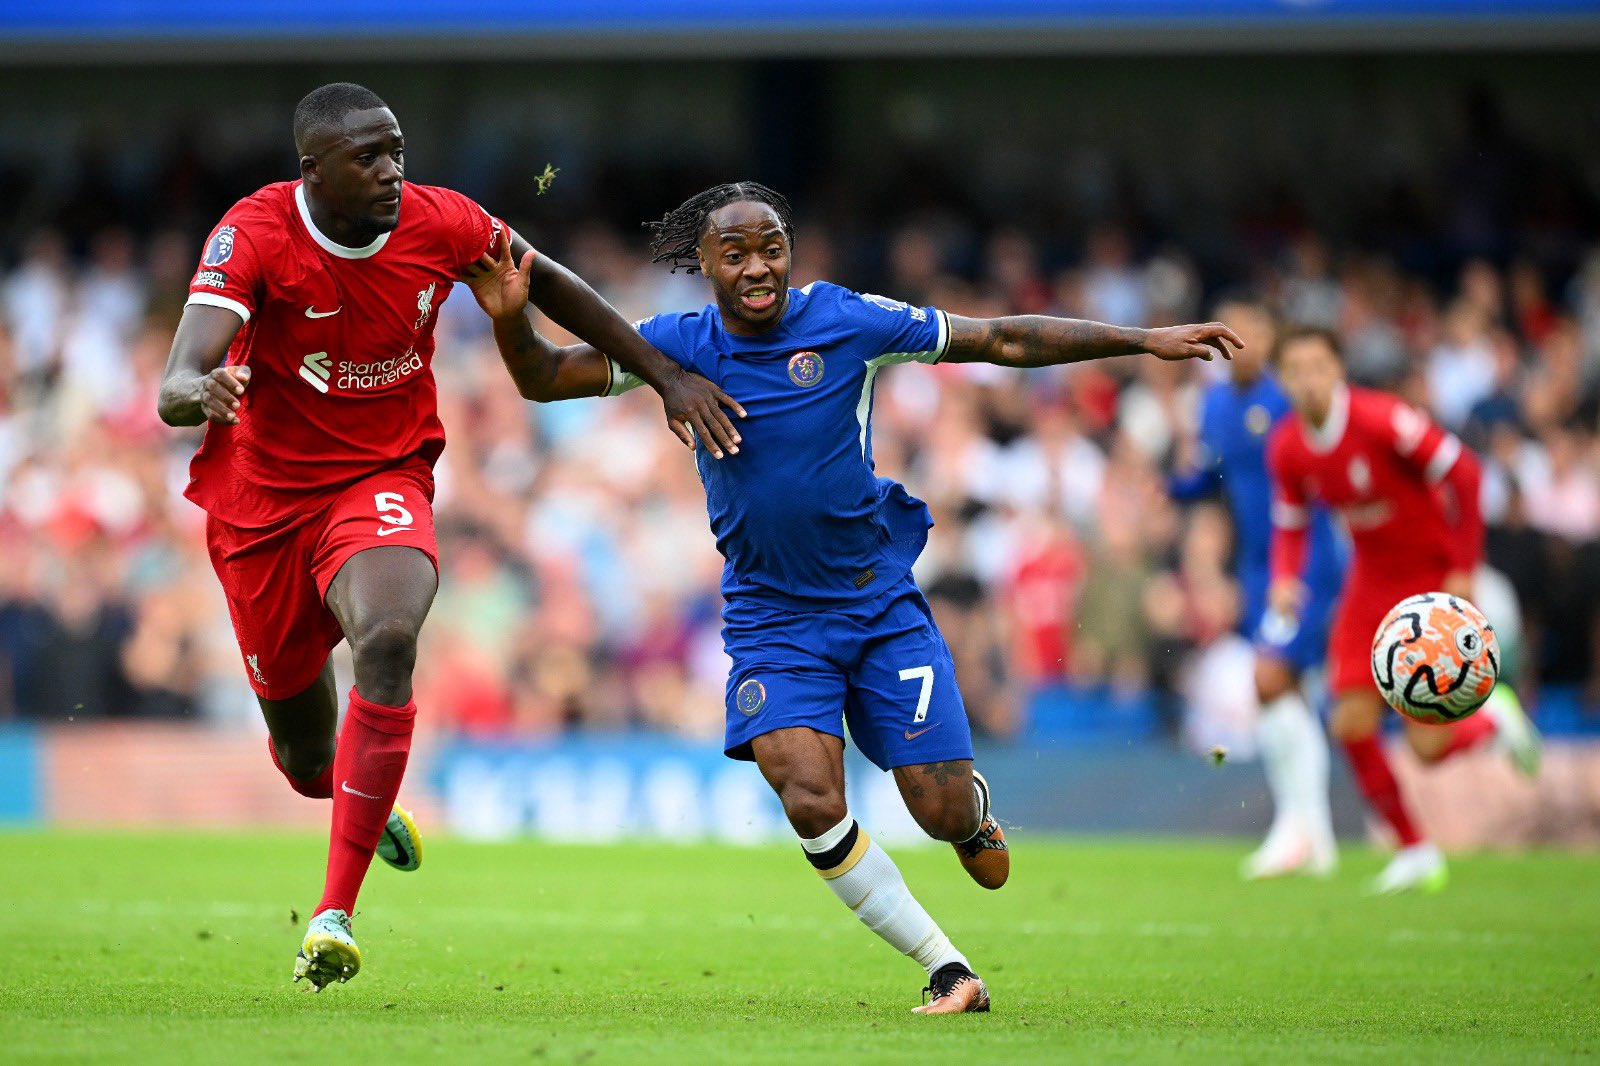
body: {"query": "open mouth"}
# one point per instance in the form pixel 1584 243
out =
pixel 759 298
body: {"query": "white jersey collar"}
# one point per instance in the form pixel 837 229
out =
pixel 330 246
pixel 1325 438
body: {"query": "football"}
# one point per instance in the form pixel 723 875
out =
pixel 1435 658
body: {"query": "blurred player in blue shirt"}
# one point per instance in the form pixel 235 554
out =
pixel 1231 453
pixel 823 621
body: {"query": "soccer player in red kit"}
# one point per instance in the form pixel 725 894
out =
pixel 1408 493
pixel 307 344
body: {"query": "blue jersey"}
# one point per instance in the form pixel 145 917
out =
pixel 1234 425
pixel 800 517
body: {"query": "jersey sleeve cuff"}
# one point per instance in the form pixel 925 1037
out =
pixel 944 337
pixel 619 381
pixel 1444 459
pixel 211 299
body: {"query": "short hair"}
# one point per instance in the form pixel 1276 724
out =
pixel 676 235
pixel 1305 333
pixel 1244 297
pixel 327 106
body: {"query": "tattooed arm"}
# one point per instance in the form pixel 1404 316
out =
pixel 1038 340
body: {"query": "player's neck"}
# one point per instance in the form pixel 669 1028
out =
pixel 337 228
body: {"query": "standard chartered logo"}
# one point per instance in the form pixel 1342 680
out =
pixel 314 370
pixel 317 370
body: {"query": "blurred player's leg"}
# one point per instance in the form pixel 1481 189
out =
pixel 1357 715
pixel 1502 720
pixel 1294 754
pixel 806 769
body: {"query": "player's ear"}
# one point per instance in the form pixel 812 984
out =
pixel 309 170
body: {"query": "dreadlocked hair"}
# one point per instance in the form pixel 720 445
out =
pixel 676 237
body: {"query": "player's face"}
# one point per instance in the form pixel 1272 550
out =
pixel 359 172
pixel 1310 372
pixel 745 253
pixel 1254 326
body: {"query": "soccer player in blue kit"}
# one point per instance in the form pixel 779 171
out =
pixel 1236 416
pixel 822 619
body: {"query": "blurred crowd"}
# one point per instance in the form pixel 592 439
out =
pixel 580 581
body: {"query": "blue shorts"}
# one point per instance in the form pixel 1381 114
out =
pixel 1301 642
pixel 881 666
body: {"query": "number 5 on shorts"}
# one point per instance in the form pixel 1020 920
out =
pixel 925 675
pixel 392 509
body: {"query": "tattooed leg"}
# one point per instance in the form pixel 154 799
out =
pixel 940 796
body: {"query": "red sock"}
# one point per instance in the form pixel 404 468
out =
pixel 368 766
pixel 319 788
pixel 1377 783
pixel 1469 733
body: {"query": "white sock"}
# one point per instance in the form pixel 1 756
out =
pixel 1275 737
pixel 863 876
pixel 1302 748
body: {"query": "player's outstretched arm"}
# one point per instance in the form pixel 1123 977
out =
pixel 196 387
pixel 1039 340
pixel 542 371
pixel 694 405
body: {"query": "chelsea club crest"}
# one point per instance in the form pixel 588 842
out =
pixel 750 697
pixel 805 369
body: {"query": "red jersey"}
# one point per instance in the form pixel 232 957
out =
pixel 339 342
pixel 1406 489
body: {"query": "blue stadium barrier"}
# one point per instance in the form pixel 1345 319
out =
pixel 20 791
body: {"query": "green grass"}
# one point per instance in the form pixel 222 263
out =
pixel 160 948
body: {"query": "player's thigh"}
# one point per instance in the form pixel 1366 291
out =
pixel 283 630
pixel 905 708
pixel 376 561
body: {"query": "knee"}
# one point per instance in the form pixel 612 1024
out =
pixel 385 651
pixel 1354 720
pixel 1273 679
pixel 812 807
pixel 951 821
pixel 304 760
pixel 1428 743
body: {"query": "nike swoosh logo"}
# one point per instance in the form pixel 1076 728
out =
pixel 384 531
pixel 913 736
pixel 323 314
pixel 364 795
pixel 401 854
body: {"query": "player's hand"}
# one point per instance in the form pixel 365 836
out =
pixel 1200 341
pixel 694 408
pixel 1286 595
pixel 220 392
pixel 499 285
pixel 1457 583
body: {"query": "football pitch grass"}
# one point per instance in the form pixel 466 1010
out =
pixel 178 948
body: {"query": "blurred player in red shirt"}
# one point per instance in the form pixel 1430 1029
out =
pixel 1408 492
pixel 307 345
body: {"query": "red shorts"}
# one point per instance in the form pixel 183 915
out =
pixel 1362 606
pixel 277 580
